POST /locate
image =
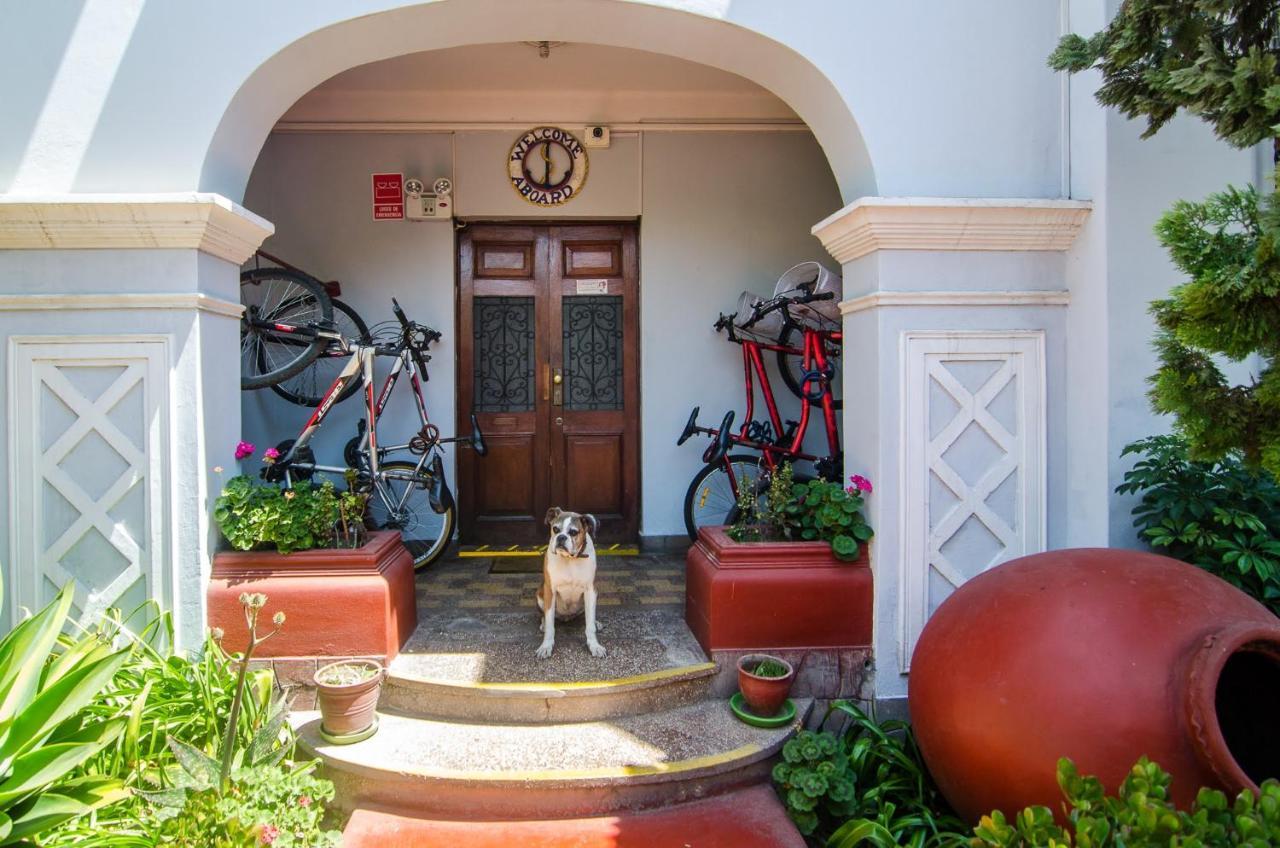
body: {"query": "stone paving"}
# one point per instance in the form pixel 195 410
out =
pixel 468 583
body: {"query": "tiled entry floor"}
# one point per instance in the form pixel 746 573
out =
pixel 466 583
pixel 482 627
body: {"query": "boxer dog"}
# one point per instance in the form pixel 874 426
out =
pixel 568 578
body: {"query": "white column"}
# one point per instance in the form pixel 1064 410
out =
pixel 954 369
pixel 120 319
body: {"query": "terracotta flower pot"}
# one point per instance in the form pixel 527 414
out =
pixel 1102 656
pixel 348 708
pixel 767 596
pixel 764 695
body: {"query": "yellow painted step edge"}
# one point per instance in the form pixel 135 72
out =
pixel 332 752
pixel 616 683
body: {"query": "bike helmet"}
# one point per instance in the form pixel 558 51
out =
pixel 813 278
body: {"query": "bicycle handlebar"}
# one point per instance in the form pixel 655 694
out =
pixel 764 307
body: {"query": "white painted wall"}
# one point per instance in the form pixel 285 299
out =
pixel 943 98
pixel 719 212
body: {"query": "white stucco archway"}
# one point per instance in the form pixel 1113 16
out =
pixel 687 30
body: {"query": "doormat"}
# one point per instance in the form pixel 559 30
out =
pixel 537 551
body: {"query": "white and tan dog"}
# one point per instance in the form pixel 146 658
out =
pixel 568 578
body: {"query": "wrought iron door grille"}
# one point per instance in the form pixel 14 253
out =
pixel 504 351
pixel 592 329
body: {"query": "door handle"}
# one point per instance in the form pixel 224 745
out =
pixel 557 391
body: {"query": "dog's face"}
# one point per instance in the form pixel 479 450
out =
pixel 569 531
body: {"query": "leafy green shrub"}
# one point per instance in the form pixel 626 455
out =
pixel 1216 60
pixel 869 784
pixel 832 513
pixel 1141 815
pixel 814 510
pixel 286 803
pixel 1221 516
pixel 253 515
pixel 203 822
pixel 46 681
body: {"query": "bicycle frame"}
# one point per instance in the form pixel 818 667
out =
pixel 815 363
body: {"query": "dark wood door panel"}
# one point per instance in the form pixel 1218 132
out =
pixel 592 259
pixel 593 473
pixel 560 411
pixel 504 260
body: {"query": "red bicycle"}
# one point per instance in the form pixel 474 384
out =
pixel 712 497
pixel 410 496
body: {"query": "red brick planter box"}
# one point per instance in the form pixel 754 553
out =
pixel 764 595
pixel 338 602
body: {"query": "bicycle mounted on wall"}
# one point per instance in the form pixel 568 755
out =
pixel 287 329
pixel 803 308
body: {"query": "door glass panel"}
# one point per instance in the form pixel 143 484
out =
pixel 592 352
pixel 504 349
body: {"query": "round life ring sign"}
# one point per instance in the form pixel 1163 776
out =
pixel 547 166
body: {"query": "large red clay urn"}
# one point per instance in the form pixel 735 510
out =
pixel 1102 656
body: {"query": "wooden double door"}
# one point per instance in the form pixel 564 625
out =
pixel 549 364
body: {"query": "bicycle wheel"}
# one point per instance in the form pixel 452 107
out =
pixel 711 499
pixel 274 300
pixel 400 501
pixel 307 387
pixel 791 365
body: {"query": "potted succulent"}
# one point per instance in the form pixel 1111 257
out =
pixel 347 693
pixel 791 572
pixel 306 546
pixel 765 682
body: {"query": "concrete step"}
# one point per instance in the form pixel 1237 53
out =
pixel 743 818
pixel 481 667
pixel 540 771
pixel 534 702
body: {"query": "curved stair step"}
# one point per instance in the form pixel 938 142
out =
pixel 524 703
pixel 744 818
pixel 540 771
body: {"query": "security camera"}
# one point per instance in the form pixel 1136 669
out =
pixel 597 136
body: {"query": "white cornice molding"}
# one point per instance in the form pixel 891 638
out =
pixel 944 223
pixel 142 300
pixel 207 222
pixel 875 300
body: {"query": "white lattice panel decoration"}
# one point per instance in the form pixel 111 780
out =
pixel 973 452
pixel 88 470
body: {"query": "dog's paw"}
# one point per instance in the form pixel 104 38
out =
pixel 544 650
pixel 596 649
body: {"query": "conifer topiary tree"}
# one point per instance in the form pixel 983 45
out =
pixel 1217 59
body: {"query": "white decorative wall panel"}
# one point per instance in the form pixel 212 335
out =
pixel 973 451
pixel 89 470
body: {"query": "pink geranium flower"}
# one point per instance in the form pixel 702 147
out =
pixel 245 449
pixel 270 455
pixel 304 801
pixel 860 484
pixel 268 834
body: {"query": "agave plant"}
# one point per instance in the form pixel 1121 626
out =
pixel 45 733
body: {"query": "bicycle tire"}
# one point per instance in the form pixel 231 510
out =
pixel 789 367
pixel 717 504
pixel 307 387
pixel 295 292
pixel 426 540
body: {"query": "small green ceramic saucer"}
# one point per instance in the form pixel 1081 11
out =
pixel 785 716
pixel 349 738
